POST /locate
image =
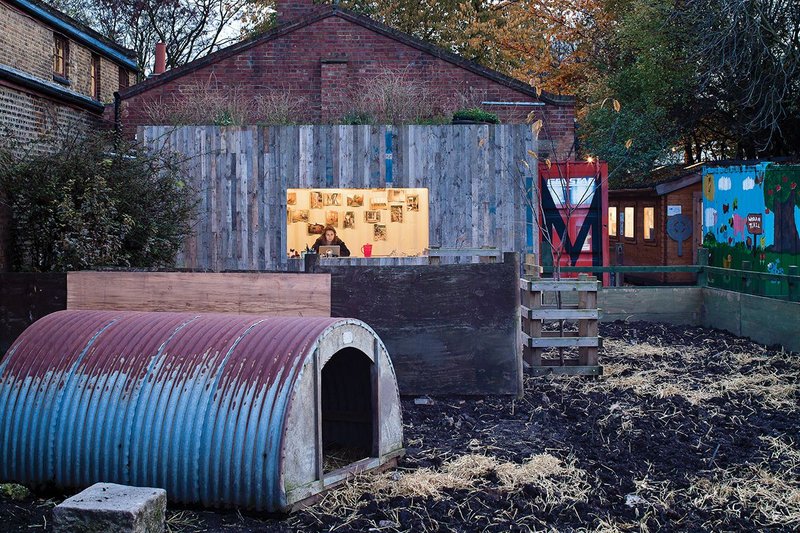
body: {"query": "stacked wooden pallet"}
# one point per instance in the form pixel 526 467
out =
pixel 549 315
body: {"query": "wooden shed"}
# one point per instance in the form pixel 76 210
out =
pixel 657 221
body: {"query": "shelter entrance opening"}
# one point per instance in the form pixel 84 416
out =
pixel 347 409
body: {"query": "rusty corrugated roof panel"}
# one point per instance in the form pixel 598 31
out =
pixel 192 403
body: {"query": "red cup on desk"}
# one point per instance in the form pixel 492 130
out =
pixel 367 250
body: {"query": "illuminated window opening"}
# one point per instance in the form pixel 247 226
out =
pixel 375 222
pixel 649 222
pixel 628 226
pixel 612 221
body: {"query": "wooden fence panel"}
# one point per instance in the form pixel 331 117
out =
pixel 242 173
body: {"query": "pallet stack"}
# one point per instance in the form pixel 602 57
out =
pixel 550 313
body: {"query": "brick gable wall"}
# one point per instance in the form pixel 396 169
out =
pixel 296 61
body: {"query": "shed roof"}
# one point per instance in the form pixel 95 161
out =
pixel 662 180
pixel 325 11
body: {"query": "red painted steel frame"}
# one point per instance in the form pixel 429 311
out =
pixel 567 170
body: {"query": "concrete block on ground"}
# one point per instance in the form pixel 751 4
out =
pixel 107 507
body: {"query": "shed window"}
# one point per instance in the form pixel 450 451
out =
pixel 649 222
pixel 94 76
pixel 60 55
pixel 612 221
pixel 628 224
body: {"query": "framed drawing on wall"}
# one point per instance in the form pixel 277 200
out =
pixel 397 213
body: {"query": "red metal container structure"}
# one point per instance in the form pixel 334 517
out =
pixel 222 410
pixel 574 205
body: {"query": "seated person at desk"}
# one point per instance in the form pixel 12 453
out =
pixel 329 238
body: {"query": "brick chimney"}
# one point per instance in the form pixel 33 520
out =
pixel 292 10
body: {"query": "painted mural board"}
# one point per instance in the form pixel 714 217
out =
pixel 752 213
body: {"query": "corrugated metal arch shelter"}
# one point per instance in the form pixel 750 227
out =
pixel 220 410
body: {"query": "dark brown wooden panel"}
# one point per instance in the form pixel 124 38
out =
pixel 25 298
pixel 449 329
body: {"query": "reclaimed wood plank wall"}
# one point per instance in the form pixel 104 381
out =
pixel 273 294
pixel 474 174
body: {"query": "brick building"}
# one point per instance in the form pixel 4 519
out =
pixel 323 54
pixel 56 75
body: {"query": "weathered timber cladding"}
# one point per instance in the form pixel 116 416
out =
pixel 25 298
pixel 273 294
pixel 449 330
pixel 474 175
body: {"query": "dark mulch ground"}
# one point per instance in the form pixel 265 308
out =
pixel 690 430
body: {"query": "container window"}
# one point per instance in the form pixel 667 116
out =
pixel 581 191
pixel 371 222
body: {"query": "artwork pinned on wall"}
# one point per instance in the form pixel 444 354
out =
pixel 291 198
pixel 316 200
pixel 379 232
pixel 378 202
pixel 371 217
pixel 332 218
pixel 397 213
pixel 355 200
pixel 412 202
pixel 396 195
pixel 332 198
pixel 315 229
pixel 349 221
pixel 299 215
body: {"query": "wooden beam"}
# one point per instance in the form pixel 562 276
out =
pixel 557 286
pixel 247 293
pixel 561 342
pixel 561 314
pixel 567 370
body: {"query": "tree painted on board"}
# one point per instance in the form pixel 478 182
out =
pixel 781 196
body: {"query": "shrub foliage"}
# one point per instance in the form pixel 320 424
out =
pixel 90 202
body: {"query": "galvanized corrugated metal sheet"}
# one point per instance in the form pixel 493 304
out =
pixel 194 404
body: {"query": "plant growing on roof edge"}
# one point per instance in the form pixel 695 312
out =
pixel 89 202
pixel 475 114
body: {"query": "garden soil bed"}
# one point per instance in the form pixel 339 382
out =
pixel 689 430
